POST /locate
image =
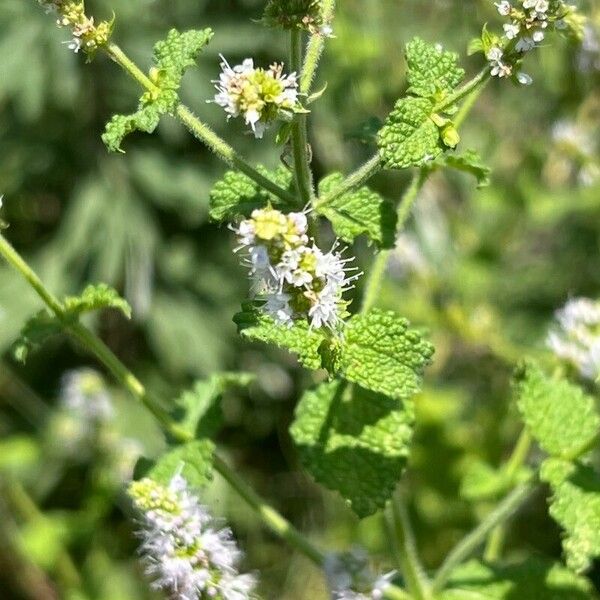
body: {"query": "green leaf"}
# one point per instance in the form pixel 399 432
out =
pixel 37 329
pixel 575 505
pixel 43 539
pixel 299 338
pixel 361 211
pixel 354 441
pixel 468 162
pixel 172 57
pixel 18 454
pixel 198 410
pixel 237 195
pixel 432 72
pixel 193 460
pixel 382 354
pixel 179 51
pixel 563 420
pixel 532 579
pixel 409 137
pixel 96 297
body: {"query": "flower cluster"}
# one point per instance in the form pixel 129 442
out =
pixel 529 22
pixel 87 36
pixel 296 14
pixel 577 337
pixel 350 578
pixel 294 277
pixel 188 555
pixel 259 95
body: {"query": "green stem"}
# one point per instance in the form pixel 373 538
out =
pixel 469 544
pixel 314 49
pixel 463 91
pixel 200 130
pixel 379 266
pixel 518 457
pixel 299 136
pixel 403 542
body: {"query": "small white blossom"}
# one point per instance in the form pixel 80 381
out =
pixel 524 78
pixel 504 8
pixel 84 393
pixel 538 36
pixel 187 554
pixel 258 95
pixel 511 30
pixel 576 338
pixel 524 44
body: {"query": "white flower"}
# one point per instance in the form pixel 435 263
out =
pixel 577 337
pixel 324 311
pixel 538 36
pixel 258 95
pixel 524 78
pixel 74 44
pixel 511 30
pixel 278 307
pixel 504 7
pixel 84 393
pixel 524 44
pixel 186 553
pixel 495 53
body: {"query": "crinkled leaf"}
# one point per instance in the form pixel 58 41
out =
pixel 354 441
pixel 469 162
pixel 193 460
pixel 381 353
pixel 563 420
pixel 37 329
pixel 533 579
pixel 237 195
pixel 199 411
pixel 409 137
pixel 172 57
pixel 361 211
pixel 299 338
pixel 96 297
pixel 575 505
pixel 179 51
pixel 432 71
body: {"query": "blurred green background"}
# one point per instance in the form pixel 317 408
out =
pixel 481 270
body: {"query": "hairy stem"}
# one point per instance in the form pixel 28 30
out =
pixel 469 544
pixel 379 266
pixel 200 130
pixel 314 49
pixel 463 91
pixel 404 546
pixel 518 457
pixel 299 136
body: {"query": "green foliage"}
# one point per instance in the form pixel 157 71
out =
pixel 237 195
pixel 193 460
pixel 96 297
pixel 575 505
pixel 361 211
pixel 533 579
pixel 198 410
pixel 383 355
pixel 467 162
pixel 432 71
pixel 299 338
pixel 43 539
pixel 171 57
pixel 36 331
pixel 354 441
pixel 482 482
pixel 563 420
pixel 409 137
pixel 293 14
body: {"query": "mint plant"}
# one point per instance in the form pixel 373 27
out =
pixel 352 429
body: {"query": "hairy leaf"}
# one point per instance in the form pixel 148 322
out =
pixel 409 137
pixel 354 441
pixel 533 579
pixel 563 420
pixel 432 71
pixel 575 505
pixel 382 354
pixel 96 297
pixel 193 460
pixel 237 195
pixel 120 126
pixel 298 338
pixel 198 410
pixel 361 211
